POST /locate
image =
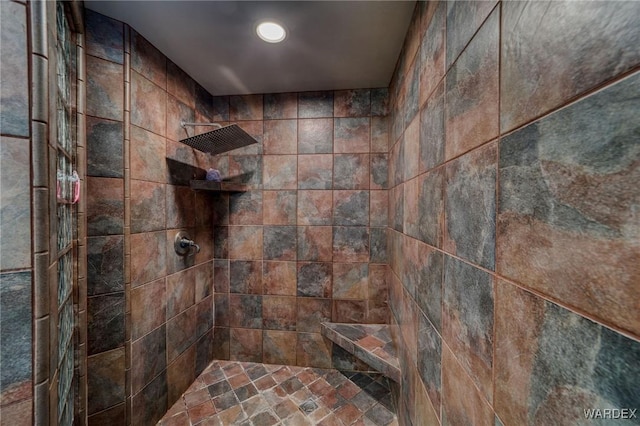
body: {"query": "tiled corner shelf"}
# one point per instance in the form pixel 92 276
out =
pixel 371 343
pixel 205 185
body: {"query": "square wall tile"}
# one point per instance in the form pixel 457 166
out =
pixel 105 380
pixel 105 322
pixel 245 277
pixel 147 201
pixel 246 345
pixel 148 264
pixel 531 84
pixel 180 84
pixel 566 205
pixel 245 208
pixel 246 107
pixel 279 278
pixel 315 171
pixel 350 280
pixel 105 89
pixel 148 104
pixel 311 312
pixel 279 347
pixel 313 350
pixel 148 358
pixel 147 156
pixel 352 103
pixel 548 357
pixel 279 243
pixel 432 131
pixel 279 207
pixel 315 243
pixel 315 104
pixel 314 279
pixel 432 52
pixel 470 207
pixel 245 311
pixel 279 313
pixel 104 148
pixel 314 207
pixel 351 243
pixel 245 242
pixel 351 135
pixel 315 136
pixel 280 171
pixel 145 317
pixel 351 208
pixel 467 320
pixel 105 206
pixel 280 105
pixel 351 171
pixel 463 20
pixel 105 264
pixel 148 61
pixel 471 109
pixel 280 136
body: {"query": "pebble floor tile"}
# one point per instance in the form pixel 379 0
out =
pixel 251 394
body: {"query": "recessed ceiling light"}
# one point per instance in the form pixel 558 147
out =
pixel 271 32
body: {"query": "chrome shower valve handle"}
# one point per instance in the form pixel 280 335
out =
pixel 183 244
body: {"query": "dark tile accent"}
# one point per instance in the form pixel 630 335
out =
pixel 105 206
pixel 467 323
pixel 431 207
pixel 221 310
pixel 16 323
pixel 245 311
pixel 589 51
pixel 220 108
pixel 463 20
pixel 105 89
pixel 221 242
pixel 221 343
pixel 181 333
pixel 429 286
pixel 245 277
pixel 279 243
pixel 104 37
pixel 351 244
pixel 432 131
pixel 566 204
pixel 105 380
pixel 104 148
pixel 105 322
pixel 280 105
pixel 315 104
pixel 378 245
pixel 314 279
pixel 470 232
pixel 315 136
pixel 148 61
pixel 429 360
pixel 547 356
pixel 472 106
pixel 352 103
pixel 150 404
pixel 148 358
pixel 204 103
pixel 105 264
pixel 246 107
pixel 351 208
pixel 351 171
pixel 379 102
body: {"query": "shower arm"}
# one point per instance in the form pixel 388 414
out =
pixel 185 124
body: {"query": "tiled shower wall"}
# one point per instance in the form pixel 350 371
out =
pixel 150 319
pixel 15 219
pixel 513 173
pixel 307 242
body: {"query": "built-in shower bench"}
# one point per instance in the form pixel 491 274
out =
pixel 371 343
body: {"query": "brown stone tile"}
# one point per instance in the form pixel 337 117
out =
pixel 351 311
pixel 351 135
pixel 432 53
pixel 149 264
pixel 245 311
pixel 472 92
pixel 105 380
pixel 315 104
pixel 280 137
pixel 180 292
pixel 279 313
pixel 148 105
pixel 378 208
pixel 352 103
pixel 246 345
pixel 245 242
pixel 279 207
pixel 314 279
pixel 351 243
pixel 584 59
pixel 148 152
pixel 279 278
pixel 350 280
pixel 279 347
pixel 280 171
pixel 180 212
pixel 315 243
pixel 181 373
pixel 245 208
pixel 201 412
pixel 146 317
pixel 148 61
pixel 245 277
pixel 147 199
pixel 312 312
pixel 105 89
pixel 380 134
pixel 105 206
pixel 351 171
pixel 314 207
pixel 315 171
pixel 313 351
pixel 181 333
pixel 461 401
pixel 180 84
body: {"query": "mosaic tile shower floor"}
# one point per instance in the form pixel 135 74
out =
pixel 251 394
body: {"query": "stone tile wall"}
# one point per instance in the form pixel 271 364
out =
pixel 513 162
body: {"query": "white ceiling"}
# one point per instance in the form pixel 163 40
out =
pixel 330 45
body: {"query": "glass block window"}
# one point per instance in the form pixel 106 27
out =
pixel 65 209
